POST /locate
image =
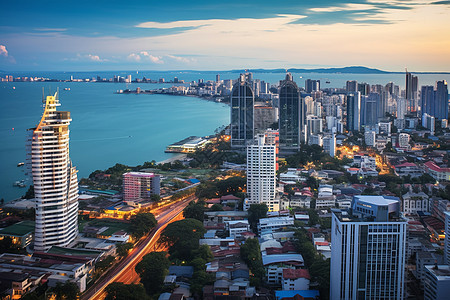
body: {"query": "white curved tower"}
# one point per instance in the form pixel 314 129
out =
pixel 54 178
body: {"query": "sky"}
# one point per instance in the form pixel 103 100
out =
pixel 101 35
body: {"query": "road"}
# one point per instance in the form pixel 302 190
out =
pixel 124 271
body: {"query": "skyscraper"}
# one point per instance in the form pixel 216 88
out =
pixel 54 178
pixel 411 92
pixel 435 102
pixel 427 104
pixel 261 170
pixel 312 85
pixel 442 99
pixel 291 114
pixel 354 111
pixel 368 250
pixel 369 109
pixel 242 100
pixel 351 86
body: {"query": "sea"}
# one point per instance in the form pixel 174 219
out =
pixel 109 128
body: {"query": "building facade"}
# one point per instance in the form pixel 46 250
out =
pixel 242 101
pixel 291 114
pixel 368 250
pixel 261 170
pixel 354 111
pixel 54 178
pixel 140 185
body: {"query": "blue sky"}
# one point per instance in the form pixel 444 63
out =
pixel 208 35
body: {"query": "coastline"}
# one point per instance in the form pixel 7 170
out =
pixel 180 157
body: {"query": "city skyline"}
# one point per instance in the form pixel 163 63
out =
pixel 101 36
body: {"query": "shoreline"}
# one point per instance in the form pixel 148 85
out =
pixel 179 156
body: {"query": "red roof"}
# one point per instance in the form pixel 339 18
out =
pixel 229 197
pixel 406 164
pixel 431 165
pixel 295 273
pixel 322 243
pixel 213 201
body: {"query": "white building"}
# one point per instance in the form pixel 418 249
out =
pixel 414 202
pixel 261 171
pixel 370 137
pixel 403 140
pixel 273 224
pixel 295 280
pixel 54 178
pixel 329 144
pixel 368 250
pixel 437 282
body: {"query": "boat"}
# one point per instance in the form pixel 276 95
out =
pixel 14 87
pixel 20 183
pixel 327 82
pixel 20 164
pixel 67 89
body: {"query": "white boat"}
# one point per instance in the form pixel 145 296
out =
pixel 20 164
pixel 67 89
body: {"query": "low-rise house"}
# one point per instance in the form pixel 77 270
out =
pixel 276 223
pixel 21 233
pixel 438 173
pixel 236 228
pixel 274 265
pixel 407 169
pixel 295 279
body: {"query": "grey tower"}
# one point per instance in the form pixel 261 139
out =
pixel 242 101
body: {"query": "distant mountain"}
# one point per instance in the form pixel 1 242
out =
pixel 348 70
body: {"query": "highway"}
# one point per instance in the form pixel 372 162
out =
pixel 124 271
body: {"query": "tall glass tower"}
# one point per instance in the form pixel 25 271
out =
pixel 291 119
pixel 242 101
pixel 54 178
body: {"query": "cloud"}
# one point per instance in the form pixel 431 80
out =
pixel 3 51
pixel 94 57
pixel 86 57
pixel 144 55
pixel 181 59
pixel 50 29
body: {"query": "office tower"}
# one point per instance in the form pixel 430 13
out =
pixel 351 86
pixel 353 111
pixel 264 117
pixel 364 88
pixel 261 170
pixel 411 92
pixel 368 250
pixel 369 109
pixel 427 104
pixel 441 100
pixel 312 85
pixel 140 185
pixel 291 119
pixel 242 100
pixel 54 178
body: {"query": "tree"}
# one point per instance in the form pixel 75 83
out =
pixel 66 291
pixel 217 207
pixel 122 291
pixel 123 249
pixel 182 237
pixel 141 224
pixel 152 269
pixel 155 197
pixel 231 185
pixel 194 211
pixel 30 193
pixel 256 212
pixel 251 254
pixel 103 265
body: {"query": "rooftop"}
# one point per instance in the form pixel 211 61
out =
pixel 18 229
pixel 295 273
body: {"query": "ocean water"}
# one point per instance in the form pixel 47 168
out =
pixel 108 128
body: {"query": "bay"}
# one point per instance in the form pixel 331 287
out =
pixel 106 128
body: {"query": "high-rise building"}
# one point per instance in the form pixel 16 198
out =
pixel 369 109
pixel 368 250
pixel 54 178
pixel 312 85
pixel 411 92
pixel 427 103
pixel 218 78
pixel 242 101
pixel 354 111
pixel 140 185
pixel 447 238
pixel 291 114
pixel 441 100
pixel 261 170
pixel 351 86
pixel 364 88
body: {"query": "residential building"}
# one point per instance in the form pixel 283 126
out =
pixel 329 144
pixel 54 178
pixel 312 85
pixel 368 250
pixel 295 280
pixel 261 170
pixel 275 223
pixel 403 140
pixel 21 233
pixel 274 265
pixel 429 122
pixel 408 169
pixel 437 172
pixel 411 92
pixel 415 202
pixel 441 100
pixel 351 86
pixel 140 185
pixel 447 238
pixel 291 114
pixel 242 101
